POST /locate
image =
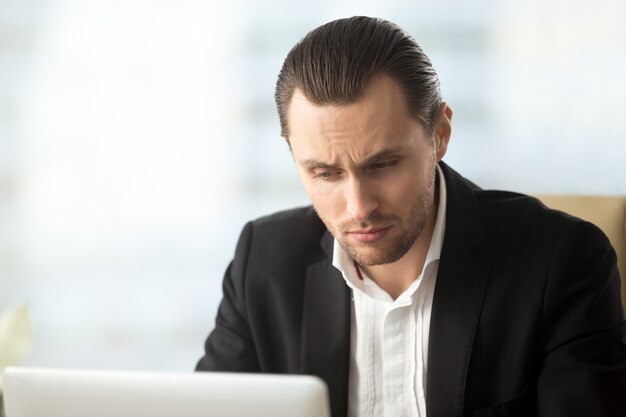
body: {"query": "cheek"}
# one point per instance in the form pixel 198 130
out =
pixel 404 188
pixel 325 198
pixel 404 184
pixel 325 202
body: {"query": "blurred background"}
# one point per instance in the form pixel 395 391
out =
pixel 138 136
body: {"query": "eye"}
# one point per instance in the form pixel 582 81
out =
pixel 377 166
pixel 326 174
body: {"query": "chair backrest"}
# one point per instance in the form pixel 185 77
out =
pixel 606 212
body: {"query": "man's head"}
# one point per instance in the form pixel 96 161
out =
pixel 334 63
pixel 366 154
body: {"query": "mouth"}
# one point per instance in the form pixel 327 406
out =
pixel 369 235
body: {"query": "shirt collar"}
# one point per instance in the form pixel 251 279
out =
pixel 348 269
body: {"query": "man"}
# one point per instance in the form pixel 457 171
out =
pixel 408 289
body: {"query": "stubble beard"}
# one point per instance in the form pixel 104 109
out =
pixel 380 253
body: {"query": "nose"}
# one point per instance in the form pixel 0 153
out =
pixel 360 199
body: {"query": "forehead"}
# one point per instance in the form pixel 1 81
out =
pixel 378 120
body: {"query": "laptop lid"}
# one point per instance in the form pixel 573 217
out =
pixel 37 392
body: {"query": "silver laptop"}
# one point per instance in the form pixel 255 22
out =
pixel 37 392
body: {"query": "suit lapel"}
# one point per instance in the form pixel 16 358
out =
pixel 325 336
pixel 459 292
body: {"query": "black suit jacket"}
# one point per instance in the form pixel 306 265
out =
pixel 527 318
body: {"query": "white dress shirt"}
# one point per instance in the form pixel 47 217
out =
pixel 389 338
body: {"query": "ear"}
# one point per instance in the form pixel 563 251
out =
pixel 443 130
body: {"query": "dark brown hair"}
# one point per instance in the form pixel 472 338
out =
pixel 334 63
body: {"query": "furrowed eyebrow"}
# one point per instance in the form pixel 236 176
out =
pixel 312 163
pixel 386 153
pixel 383 155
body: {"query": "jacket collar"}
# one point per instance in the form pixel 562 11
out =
pixel 325 338
pixel 458 299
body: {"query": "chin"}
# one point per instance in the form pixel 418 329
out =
pixel 374 256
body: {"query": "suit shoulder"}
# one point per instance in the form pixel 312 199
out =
pixel 524 215
pixel 523 207
pixel 298 214
pixel 288 230
pixel 301 219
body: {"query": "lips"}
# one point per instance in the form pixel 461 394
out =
pixel 369 235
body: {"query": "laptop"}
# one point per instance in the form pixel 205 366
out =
pixel 37 392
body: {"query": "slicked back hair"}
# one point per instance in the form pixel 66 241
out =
pixel 333 65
